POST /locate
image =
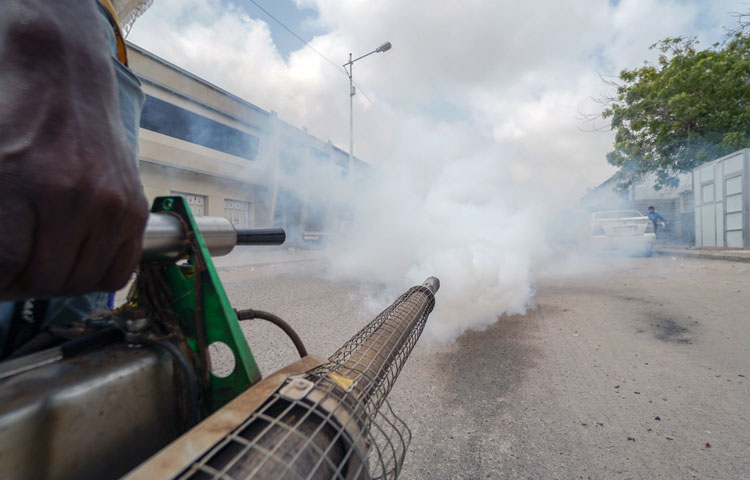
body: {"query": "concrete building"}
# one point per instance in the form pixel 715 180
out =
pixel 722 201
pixel 606 196
pixel 231 158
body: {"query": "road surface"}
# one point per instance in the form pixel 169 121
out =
pixel 629 373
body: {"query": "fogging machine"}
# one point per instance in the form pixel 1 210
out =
pixel 130 382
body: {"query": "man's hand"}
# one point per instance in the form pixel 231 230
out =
pixel 72 211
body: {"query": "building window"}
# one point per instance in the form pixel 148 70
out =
pixel 168 119
pixel 197 203
pixel 239 213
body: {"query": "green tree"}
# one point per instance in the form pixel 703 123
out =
pixel 690 107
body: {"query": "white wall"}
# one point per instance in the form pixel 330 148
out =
pixel 722 197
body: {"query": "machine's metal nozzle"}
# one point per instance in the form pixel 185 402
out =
pixel 164 237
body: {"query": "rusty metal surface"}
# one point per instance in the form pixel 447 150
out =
pixel 171 461
pixel 94 416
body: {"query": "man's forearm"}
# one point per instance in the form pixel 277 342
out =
pixel 68 181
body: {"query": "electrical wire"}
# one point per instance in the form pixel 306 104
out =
pixel 304 42
pixel 307 44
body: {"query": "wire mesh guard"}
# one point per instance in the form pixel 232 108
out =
pixel 328 423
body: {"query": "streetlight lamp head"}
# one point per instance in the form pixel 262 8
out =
pixel 384 47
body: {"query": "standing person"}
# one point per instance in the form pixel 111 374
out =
pixel 72 210
pixel 656 219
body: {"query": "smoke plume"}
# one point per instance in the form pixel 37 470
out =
pixel 457 223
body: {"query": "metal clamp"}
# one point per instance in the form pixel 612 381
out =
pixel 296 388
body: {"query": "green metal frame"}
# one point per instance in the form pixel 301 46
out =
pixel 219 318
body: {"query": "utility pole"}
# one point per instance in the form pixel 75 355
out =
pixel 383 48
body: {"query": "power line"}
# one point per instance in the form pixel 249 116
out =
pixel 363 93
pixel 307 44
pixel 304 42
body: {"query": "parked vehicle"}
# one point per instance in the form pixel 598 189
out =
pixel 626 232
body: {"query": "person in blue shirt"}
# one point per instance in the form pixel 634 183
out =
pixel 655 219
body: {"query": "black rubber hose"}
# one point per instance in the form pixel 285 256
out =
pixel 251 314
pixel 261 236
pixel 187 369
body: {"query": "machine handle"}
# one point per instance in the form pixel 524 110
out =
pixel 261 236
pixel 163 238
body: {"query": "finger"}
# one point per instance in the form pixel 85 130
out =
pixel 92 260
pixel 122 266
pixel 17 221
pixel 128 253
pixel 112 248
pixel 56 242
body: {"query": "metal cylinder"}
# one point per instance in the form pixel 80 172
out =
pixel 373 359
pixel 164 237
pixel 433 283
pixel 324 425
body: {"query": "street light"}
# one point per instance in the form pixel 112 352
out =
pixel 383 48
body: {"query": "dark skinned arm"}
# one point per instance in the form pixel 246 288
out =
pixel 72 211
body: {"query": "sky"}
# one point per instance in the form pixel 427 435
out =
pixel 299 19
pixel 498 84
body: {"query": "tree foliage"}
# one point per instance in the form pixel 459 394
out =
pixel 690 107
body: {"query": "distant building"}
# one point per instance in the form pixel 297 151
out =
pixel 231 158
pixel 606 196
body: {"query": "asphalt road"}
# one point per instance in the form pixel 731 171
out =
pixel 628 373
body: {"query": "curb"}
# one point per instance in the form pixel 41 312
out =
pixel 229 268
pixel 709 256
